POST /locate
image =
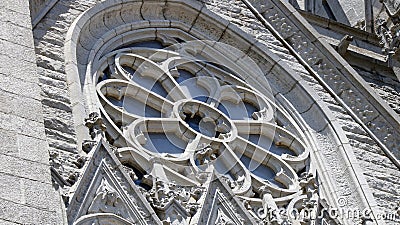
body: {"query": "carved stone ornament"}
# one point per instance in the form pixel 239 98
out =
pixel 223 219
pixel 105 194
pixel 107 200
pixel 392 6
pixel 389 36
pixel 167 198
pixel 388 31
pixel 196 116
pixel 95 124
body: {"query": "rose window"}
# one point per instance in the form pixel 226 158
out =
pixel 196 114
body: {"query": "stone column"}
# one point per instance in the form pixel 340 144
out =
pixel 369 17
pixel 26 192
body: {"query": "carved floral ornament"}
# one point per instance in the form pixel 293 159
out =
pixel 180 113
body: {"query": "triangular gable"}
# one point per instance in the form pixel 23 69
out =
pixel 220 205
pixel 173 213
pixel 106 193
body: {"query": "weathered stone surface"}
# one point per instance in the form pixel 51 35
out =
pixel 388 87
pixel 24 155
pixel 26 214
pixel 360 141
pixel 19 89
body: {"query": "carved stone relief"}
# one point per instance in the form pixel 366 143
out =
pixel 181 114
pixel 105 193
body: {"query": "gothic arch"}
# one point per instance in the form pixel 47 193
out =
pixel 110 27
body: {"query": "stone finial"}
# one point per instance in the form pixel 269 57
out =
pixel 95 124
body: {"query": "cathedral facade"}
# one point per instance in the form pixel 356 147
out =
pixel 200 112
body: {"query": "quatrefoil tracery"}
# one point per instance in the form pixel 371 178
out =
pixel 199 114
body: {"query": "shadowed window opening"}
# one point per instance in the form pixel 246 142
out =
pixel 137 176
pixel 165 143
pixel 106 75
pixel 144 44
pixel 234 111
pixel 267 144
pixel 197 124
pixel 261 171
pixel 183 75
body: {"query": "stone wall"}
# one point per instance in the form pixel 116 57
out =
pixel 387 86
pixel 382 175
pixel 27 195
pixel 49 35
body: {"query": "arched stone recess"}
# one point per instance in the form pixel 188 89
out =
pixel 111 34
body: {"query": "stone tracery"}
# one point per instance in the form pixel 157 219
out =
pixel 139 88
pixel 209 118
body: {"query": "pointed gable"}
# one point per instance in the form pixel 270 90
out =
pixel 106 193
pixel 221 207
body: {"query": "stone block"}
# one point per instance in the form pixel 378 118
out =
pixel 8 140
pixel 32 149
pixel 15 18
pixel 28 192
pixel 131 11
pixel 299 99
pixel 11 188
pixel 17 51
pixel 40 195
pixel 16 68
pixel 18 6
pixel 177 12
pixel 22 146
pixel 24 168
pixel 19 87
pixel 5 102
pixel 25 214
pixel 27 108
pixel 50 64
pixel 315 119
pixel 16 34
pixel 152 10
pixel 55 93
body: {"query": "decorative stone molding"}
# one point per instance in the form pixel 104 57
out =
pixel 163 197
pixel 379 120
pixel 93 57
pixel 222 208
pixel 107 200
pixel 106 193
